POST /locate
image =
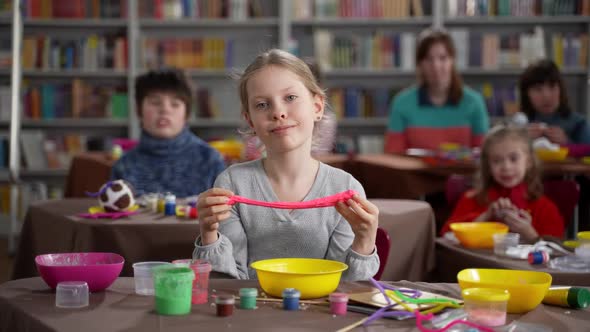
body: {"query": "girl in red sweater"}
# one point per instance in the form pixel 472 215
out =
pixel 508 188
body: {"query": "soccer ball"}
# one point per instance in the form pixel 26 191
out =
pixel 117 197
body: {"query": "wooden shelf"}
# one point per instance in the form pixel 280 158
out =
pixel 511 20
pixel 363 22
pixel 149 23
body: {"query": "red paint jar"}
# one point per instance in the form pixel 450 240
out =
pixel 225 305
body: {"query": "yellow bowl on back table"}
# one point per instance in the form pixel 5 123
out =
pixel 478 234
pixel 527 288
pixel 314 278
pixel 552 155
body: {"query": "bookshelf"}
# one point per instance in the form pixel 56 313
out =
pixel 244 31
pixel 520 29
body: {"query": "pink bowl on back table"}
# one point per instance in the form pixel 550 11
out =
pixel 98 269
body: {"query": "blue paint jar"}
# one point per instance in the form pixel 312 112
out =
pixel 170 205
pixel 291 299
pixel 538 257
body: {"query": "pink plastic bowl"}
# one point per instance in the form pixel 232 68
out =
pixel 98 269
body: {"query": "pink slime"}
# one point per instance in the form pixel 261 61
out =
pixel 314 203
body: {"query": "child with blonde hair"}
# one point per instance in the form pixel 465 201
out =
pixel 508 188
pixel 285 108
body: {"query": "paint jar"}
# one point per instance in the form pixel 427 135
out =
pixel 291 299
pixel 225 305
pixel 161 203
pixel 504 241
pixel 188 212
pixel 202 269
pixel 338 302
pixel 170 205
pixel 173 286
pixel 486 306
pixel 538 257
pixel 151 202
pixel 248 298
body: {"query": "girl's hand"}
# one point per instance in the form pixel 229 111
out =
pixel 535 130
pixel 498 208
pixel 520 221
pixel 212 208
pixel 556 135
pixel 363 217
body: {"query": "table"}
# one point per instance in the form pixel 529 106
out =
pixel 452 258
pixel 52 227
pixel 399 176
pixel 28 305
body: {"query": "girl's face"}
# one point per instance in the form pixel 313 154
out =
pixel 437 67
pixel 163 115
pixel 509 162
pixel 281 110
pixel 544 97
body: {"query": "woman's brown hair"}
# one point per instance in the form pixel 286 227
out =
pixel 484 179
pixel 429 38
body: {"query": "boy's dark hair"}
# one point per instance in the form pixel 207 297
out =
pixel 542 72
pixel 168 80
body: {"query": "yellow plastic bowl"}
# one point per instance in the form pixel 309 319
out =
pixel 526 288
pixel 550 155
pixel 312 277
pixel 478 235
pixel 584 236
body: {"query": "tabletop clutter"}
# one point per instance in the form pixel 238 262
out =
pixel 567 256
pixel 488 295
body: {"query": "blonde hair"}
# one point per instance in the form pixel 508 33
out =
pixel 324 130
pixel 484 179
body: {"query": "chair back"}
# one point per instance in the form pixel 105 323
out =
pixel 455 187
pixel 383 244
pixel 565 194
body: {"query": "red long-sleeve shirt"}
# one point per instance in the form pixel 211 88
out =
pixel 546 218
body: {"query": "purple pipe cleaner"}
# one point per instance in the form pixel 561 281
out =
pixel 101 191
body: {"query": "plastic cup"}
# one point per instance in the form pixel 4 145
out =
pixel 201 268
pixel 173 285
pixel 504 241
pixel 71 294
pixel 486 306
pixel 143 277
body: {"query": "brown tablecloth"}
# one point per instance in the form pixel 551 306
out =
pixel 452 258
pixel 52 227
pixel 28 305
pixel 411 227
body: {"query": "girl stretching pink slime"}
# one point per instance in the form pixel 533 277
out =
pixel 285 108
